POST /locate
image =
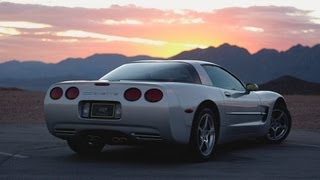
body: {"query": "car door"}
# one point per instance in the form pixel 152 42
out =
pixel 242 109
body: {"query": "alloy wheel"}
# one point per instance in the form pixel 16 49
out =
pixel 206 134
pixel 279 125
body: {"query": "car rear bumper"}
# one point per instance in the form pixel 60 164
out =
pixel 153 124
pixel 111 134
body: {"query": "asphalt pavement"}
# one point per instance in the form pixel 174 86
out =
pixel 28 151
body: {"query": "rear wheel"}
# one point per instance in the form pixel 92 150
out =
pixel 280 125
pixel 204 134
pixel 86 146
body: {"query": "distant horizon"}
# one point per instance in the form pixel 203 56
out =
pixel 54 30
pixel 58 61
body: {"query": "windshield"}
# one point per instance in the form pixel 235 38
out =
pixel 154 71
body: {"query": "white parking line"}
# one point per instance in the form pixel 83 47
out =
pixel 13 155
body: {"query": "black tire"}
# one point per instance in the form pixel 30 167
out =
pixel 84 147
pixel 204 134
pixel 280 125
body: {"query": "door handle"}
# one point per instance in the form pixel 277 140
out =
pixel 228 94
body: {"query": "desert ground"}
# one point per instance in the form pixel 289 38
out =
pixel 20 106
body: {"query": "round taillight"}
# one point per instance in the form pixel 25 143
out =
pixel 56 93
pixel 153 95
pixel 132 94
pixel 72 93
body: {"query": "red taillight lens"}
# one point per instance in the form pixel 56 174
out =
pixel 56 93
pixel 72 93
pixel 153 95
pixel 132 94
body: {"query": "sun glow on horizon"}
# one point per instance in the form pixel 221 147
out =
pixel 165 49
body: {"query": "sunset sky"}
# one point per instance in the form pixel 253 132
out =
pixel 52 30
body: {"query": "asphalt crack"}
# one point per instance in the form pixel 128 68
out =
pixel 10 156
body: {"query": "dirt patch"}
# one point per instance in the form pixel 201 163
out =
pixel 17 106
pixel 21 106
pixel 305 111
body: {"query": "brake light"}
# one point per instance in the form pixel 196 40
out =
pixel 132 94
pixel 153 95
pixel 56 93
pixel 72 93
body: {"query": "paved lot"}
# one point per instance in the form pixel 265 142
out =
pixel 30 152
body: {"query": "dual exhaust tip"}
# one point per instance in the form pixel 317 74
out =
pixel 120 140
pixel 117 140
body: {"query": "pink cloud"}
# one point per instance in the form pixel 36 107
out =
pixel 253 28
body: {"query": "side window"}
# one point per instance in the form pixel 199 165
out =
pixel 223 79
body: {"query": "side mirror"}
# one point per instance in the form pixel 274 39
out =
pixel 252 87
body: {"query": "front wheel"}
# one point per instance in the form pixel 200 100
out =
pixel 204 134
pixel 280 125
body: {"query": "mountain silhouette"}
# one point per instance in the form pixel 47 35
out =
pixel 267 64
pixel 35 75
pixel 291 85
pixel 299 61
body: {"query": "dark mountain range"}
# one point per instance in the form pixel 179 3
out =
pixel 91 67
pixel 267 64
pixel 35 75
pixel 291 85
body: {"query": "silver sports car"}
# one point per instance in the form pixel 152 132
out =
pixel 187 102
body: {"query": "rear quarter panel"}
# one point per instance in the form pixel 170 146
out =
pixel 190 96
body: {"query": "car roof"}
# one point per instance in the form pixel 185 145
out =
pixel 178 60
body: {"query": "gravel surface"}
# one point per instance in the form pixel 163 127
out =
pixel 17 106
pixel 305 111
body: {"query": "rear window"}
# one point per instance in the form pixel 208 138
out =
pixel 154 71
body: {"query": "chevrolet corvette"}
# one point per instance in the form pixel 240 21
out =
pixel 186 102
